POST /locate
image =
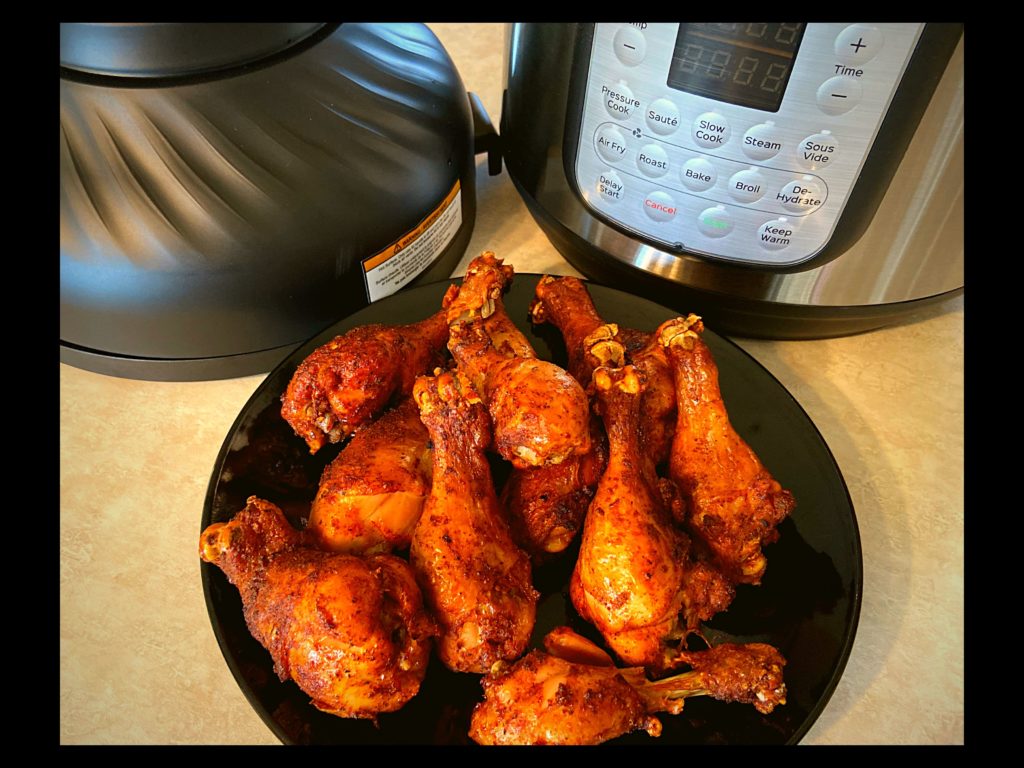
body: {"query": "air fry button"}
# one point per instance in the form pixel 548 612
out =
pixel 660 206
pixel 611 144
pixel 715 222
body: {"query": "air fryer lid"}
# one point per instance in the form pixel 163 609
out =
pixel 233 214
pixel 164 50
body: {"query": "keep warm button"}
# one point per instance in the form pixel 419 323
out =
pixel 801 195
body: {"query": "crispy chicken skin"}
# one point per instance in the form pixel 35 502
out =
pixel 350 631
pixel 351 379
pixel 540 413
pixel 475 580
pixel 371 495
pixel 733 502
pixel 572 694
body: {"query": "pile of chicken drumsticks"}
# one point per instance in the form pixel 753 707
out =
pixel 630 449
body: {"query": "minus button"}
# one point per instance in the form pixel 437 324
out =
pixel 839 94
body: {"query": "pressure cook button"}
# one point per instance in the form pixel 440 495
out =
pixel 747 186
pixel 762 141
pixel 710 130
pixel 715 222
pixel 817 151
pixel 652 161
pixel 858 43
pixel 630 46
pixel 611 144
pixel 660 206
pixel 609 186
pixel 776 234
pixel 839 95
pixel 663 117
pixel 801 195
pixel 619 100
pixel 698 174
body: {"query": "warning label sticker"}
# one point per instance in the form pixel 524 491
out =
pixel 407 257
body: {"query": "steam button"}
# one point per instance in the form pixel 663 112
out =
pixel 660 206
pixel 630 45
pixel 762 141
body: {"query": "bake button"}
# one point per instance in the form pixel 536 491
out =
pixel 747 186
pixel 611 144
pixel 710 130
pixel 715 222
pixel 660 206
pixel 762 141
pixel 776 234
pixel 801 195
pixel 698 174
pixel 652 161
pixel 663 117
pixel 630 46
pixel 619 100
pixel 858 43
pixel 609 186
pixel 838 95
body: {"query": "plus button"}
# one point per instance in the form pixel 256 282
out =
pixel 858 45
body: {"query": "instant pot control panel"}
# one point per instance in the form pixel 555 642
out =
pixel 737 141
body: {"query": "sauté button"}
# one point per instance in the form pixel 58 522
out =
pixel 715 222
pixel 662 117
pixel 660 206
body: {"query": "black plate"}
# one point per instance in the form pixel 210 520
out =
pixel 807 606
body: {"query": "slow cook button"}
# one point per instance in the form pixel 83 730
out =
pixel 660 206
pixel 715 222
pixel 747 186
pixel 762 141
pixel 652 161
pixel 776 234
pixel 662 117
pixel 801 195
pixel 710 130
pixel 817 151
pixel 698 174
pixel 609 186
pixel 611 144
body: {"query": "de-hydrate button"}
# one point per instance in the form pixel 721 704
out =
pixel 801 195
pixel 715 222
pixel 747 186
pixel 660 206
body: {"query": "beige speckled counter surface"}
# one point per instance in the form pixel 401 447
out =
pixel 139 663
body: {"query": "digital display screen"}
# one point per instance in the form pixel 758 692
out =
pixel 738 63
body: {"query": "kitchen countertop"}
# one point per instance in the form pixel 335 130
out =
pixel 139 663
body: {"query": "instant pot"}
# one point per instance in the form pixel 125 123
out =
pixel 229 190
pixel 785 180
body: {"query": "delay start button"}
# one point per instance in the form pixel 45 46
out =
pixel 610 186
pixel 660 206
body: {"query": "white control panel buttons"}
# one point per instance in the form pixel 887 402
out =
pixel 858 43
pixel 747 186
pixel 762 141
pixel 652 161
pixel 715 222
pixel 660 206
pixel 630 46
pixel 619 100
pixel 801 195
pixel 611 144
pixel 838 95
pixel 662 117
pixel 698 174
pixel 610 186
pixel 817 151
pixel 776 234
pixel 711 130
